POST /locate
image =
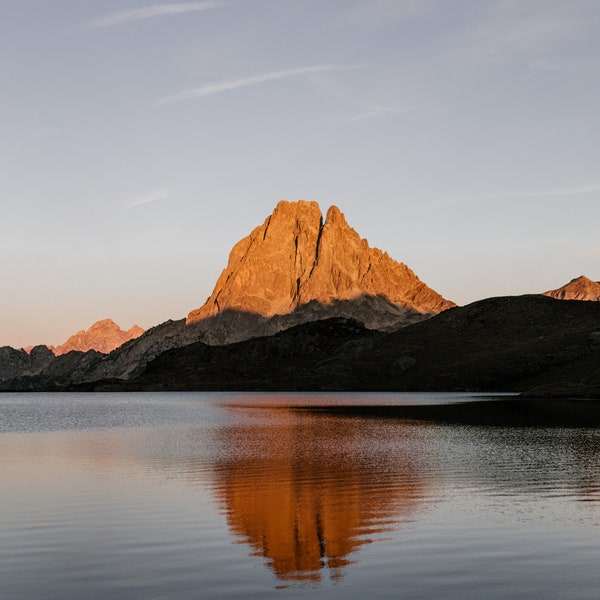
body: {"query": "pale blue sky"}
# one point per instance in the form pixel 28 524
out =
pixel 139 141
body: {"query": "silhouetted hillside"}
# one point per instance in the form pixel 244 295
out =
pixel 508 343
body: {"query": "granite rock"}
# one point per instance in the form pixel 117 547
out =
pixel 103 336
pixel 580 288
pixel 297 267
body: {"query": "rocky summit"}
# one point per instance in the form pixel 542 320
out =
pixel 298 267
pixel 103 336
pixel 580 288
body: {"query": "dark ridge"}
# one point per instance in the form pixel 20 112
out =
pixel 534 344
pixel 500 344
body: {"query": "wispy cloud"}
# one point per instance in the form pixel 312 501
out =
pixel 225 86
pixel 150 12
pixel 364 110
pixel 534 32
pixel 372 14
pixel 152 196
pixel 556 193
pixel 370 112
pixel 575 190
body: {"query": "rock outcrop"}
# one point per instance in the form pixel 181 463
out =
pixel 296 268
pixel 580 288
pixel 103 336
pixel 15 363
pixel 130 359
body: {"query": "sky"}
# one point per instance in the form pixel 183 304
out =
pixel 139 141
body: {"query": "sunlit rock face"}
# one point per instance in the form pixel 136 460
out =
pixel 580 288
pixel 103 336
pixel 300 267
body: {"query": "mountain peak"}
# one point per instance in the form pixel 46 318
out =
pixel 295 259
pixel 335 216
pixel 103 336
pixel 103 324
pixel 582 279
pixel 580 288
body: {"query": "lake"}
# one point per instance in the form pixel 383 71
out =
pixel 232 495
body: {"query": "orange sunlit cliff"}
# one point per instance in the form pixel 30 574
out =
pixel 103 336
pixel 295 260
pixel 580 288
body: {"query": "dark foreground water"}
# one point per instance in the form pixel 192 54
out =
pixel 253 496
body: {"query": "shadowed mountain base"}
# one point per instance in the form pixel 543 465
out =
pixel 130 359
pixel 499 344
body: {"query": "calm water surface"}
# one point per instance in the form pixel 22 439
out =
pixel 204 495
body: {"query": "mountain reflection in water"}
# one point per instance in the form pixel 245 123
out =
pixel 306 492
pixel 114 496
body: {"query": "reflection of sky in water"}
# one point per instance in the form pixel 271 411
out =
pixel 286 399
pixel 353 506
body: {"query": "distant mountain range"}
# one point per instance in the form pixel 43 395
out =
pixel 303 277
pixel 103 336
pixel 81 349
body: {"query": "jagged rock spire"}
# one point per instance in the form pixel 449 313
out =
pixel 296 258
